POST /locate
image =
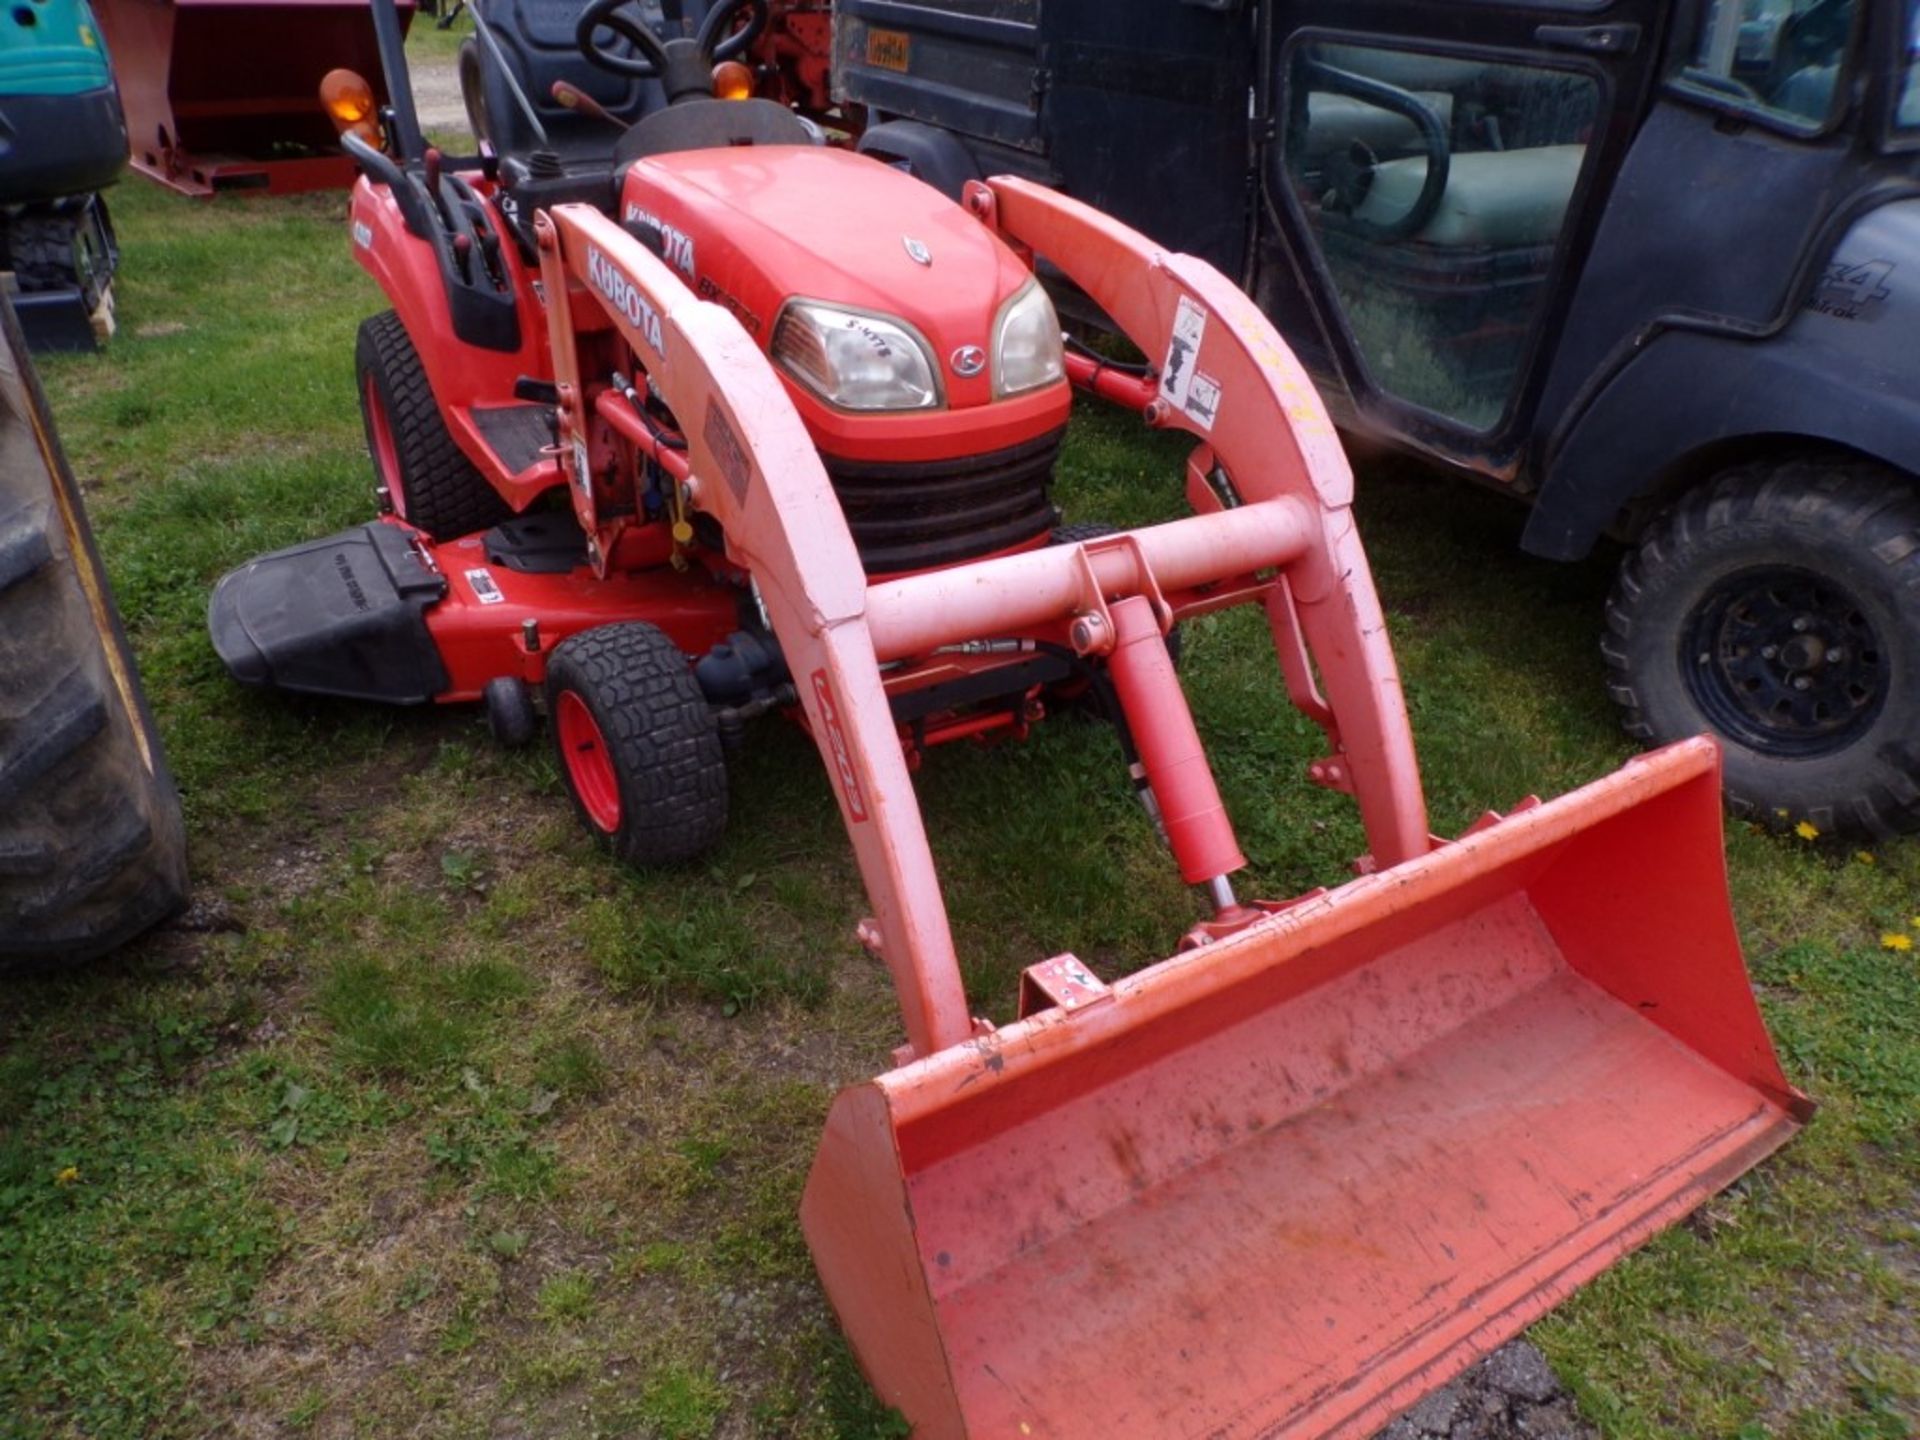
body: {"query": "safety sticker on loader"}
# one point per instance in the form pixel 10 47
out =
pixel 1195 395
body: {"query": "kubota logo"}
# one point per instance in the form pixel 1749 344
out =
pixel 837 748
pixel 676 246
pixel 626 297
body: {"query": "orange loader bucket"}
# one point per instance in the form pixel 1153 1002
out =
pixel 1283 1185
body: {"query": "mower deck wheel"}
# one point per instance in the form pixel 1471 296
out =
pixel 427 478
pixel 510 711
pixel 638 744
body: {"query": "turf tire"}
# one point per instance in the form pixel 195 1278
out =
pixel 438 490
pixel 92 850
pixel 660 737
pixel 1854 523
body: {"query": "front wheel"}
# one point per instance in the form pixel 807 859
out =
pixel 638 744
pixel 1778 606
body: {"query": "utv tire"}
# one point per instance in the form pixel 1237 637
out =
pixel 427 478
pixel 1778 606
pixel 92 851
pixel 639 747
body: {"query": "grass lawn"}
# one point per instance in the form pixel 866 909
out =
pixel 434 1122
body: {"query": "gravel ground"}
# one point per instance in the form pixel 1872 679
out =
pixel 436 94
pixel 1510 1395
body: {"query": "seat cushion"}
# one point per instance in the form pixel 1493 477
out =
pixel 1498 199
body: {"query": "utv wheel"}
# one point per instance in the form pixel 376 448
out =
pixel 92 850
pixel 638 745
pixel 1779 607
pixel 427 478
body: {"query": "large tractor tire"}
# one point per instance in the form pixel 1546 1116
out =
pixel 1778 605
pixel 92 850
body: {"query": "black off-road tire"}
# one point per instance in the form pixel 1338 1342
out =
pixel 660 737
pixel 439 489
pixel 1853 527
pixel 92 850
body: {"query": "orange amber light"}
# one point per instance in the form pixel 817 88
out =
pixel 732 80
pixel 347 98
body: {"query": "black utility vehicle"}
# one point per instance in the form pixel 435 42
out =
pixel 1653 266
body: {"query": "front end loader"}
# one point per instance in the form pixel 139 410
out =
pixel 1279 1184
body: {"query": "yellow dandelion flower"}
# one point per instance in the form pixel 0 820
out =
pixel 67 1176
pixel 1894 940
pixel 1865 857
pixel 1807 830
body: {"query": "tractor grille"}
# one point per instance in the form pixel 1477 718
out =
pixel 918 516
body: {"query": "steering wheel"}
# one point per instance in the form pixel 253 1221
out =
pixel 663 57
pixel 1352 173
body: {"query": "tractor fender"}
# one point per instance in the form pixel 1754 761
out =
pixel 1842 371
pixel 938 157
pixel 407 271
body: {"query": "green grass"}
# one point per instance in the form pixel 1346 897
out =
pixel 461 1125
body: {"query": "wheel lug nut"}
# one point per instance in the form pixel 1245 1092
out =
pixel 1802 682
pixel 1800 623
pixel 1769 652
pixel 1836 655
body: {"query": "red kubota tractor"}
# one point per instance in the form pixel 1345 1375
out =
pixel 682 416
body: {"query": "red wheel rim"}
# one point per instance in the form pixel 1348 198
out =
pixel 386 456
pixel 589 766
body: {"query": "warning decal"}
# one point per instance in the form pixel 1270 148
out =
pixel 484 588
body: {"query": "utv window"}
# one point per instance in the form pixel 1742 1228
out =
pixel 1787 57
pixel 1437 186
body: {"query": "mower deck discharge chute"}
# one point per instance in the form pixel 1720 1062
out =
pixel 1285 1182
pixel 1276 1185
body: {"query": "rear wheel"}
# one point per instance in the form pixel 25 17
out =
pixel 1778 606
pixel 638 744
pixel 426 477
pixel 92 850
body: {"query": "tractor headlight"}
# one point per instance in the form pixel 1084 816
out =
pixel 855 360
pixel 1026 343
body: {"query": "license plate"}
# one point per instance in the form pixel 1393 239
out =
pixel 889 49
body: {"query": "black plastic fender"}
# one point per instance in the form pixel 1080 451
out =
pixel 935 156
pixel 1843 371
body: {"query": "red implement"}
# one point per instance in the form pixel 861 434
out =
pixel 220 95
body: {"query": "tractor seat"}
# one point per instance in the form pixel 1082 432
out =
pixel 1494 200
pixel 537 40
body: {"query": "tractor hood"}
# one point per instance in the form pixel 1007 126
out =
pixel 753 228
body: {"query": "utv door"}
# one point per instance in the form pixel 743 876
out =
pixel 1437 172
